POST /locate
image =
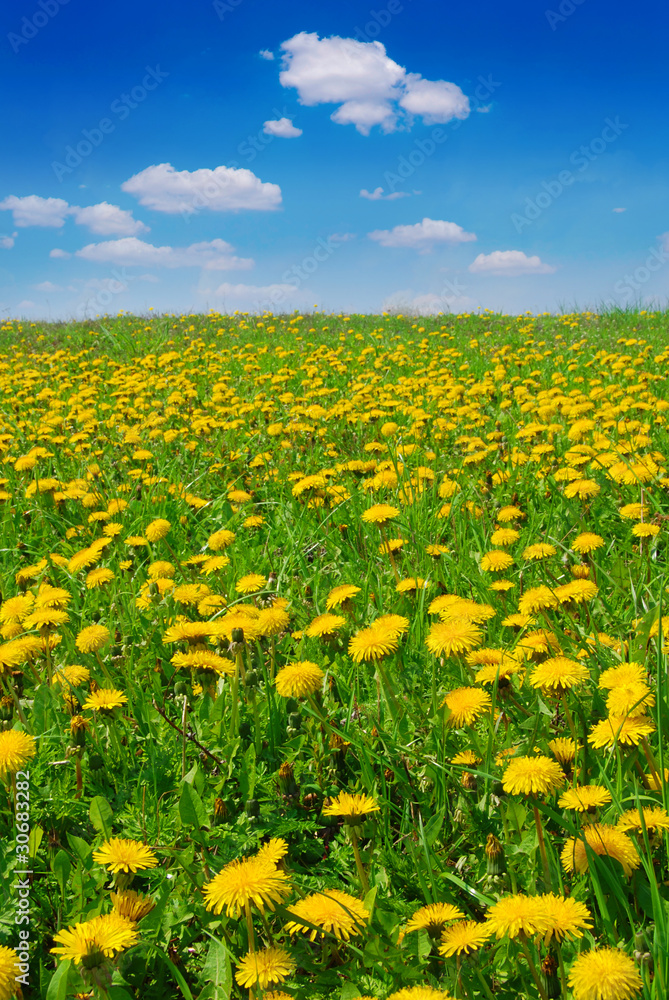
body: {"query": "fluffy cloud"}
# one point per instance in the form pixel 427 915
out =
pixel 283 128
pixel 35 211
pixel 510 262
pixel 59 254
pixel 108 220
pixel 47 286
pixel 223 189
pixel 7 242
pixel 266 54
pixel 434 100
pixel 103 218
pixel 369 87
pixel 619 209
pixel 423 235
pixel 215 255
pixel 378 195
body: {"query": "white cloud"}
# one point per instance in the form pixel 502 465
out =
pixel 619 209
pixel 7 242
pixel 378 195
pixel 423 235
pixel 483 109
pixel 266 54
pixel 35 211
pixel 26 303
pixel 215 255
pixel 510 262
pixel 341 237
pixel 103 218
pixel 410 304
pixel 59 254
pixel 108 220
pixel 283 128
pixel 369 86
pixel 664 240
pixel 153 279
pixel 434 100
pixel 223 189
pixel 47 286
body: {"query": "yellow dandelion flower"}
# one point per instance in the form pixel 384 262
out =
pixel 645 530
pixel 466 704
pixel 253 880
pixel 91 941
pixel 464 937
pixel 220 539
pixel 120 855
pixel 511 915
pixel 629 699
pixel 455 635
pixel 131 905
pixel 496 561
pixel 542 550
pixel 298 679
pixel 558 673
pixel 16 749
pixel 586 542
pixel 251 583
pixel 536 599
pixel 581 798
pixel 373 643
pixel 626 673
pixel 92 638
pixel 157 530
pixel 433 917
pixel 604 840
pixel 563 749
pixel 329 912
pixel 627 730
pixel 105 699
pixel 652 817
pixel 325 625
pixel 504 536
pixel 604 974
pixel 262 968
pixel 380 513
pixel 339 595
pixel 9 962
pixel 351 807
pixel 582 488
pixel 532 776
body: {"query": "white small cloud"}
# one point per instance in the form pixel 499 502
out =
pixel 283 128
pixel 422 235
pixel 223 189
pixel 215 255
pixel 108 220
pixel 509 262
pixel 7 242
pixel 378 195
pixel 484 109
pixel 369 87
pixel 48 286
pixel 341 237
pixel 59 254
pixel 26 304
pixel 153 279
pixel 266 54
pixel 35 211
pixel 436 101
pixel 619 209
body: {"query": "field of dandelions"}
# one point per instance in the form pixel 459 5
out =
pixel 333 658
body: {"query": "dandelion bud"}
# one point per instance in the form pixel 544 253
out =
pixel 251 680
pixel 220 812
pixel 237 636
pixel 494 851
pixel 468 781
pixel 252 808
pixel 549 969
pixel 294 722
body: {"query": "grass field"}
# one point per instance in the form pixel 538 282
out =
pixel 333 657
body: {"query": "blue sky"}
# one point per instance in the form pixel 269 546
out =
pixel 196 155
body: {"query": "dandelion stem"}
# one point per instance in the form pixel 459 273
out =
pixel 533 969
pixel 542 846
pixel 358 861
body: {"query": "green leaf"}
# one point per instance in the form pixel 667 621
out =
pixel 217 970
pixel 349 991
pixel 61 866
pixel 247 778
pixel 191 808
pixel 34 840
pixel 100 814
pixel 433 827
pixel 58 986
pixel 80 848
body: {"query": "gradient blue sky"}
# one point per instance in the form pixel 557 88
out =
pixel 547 187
